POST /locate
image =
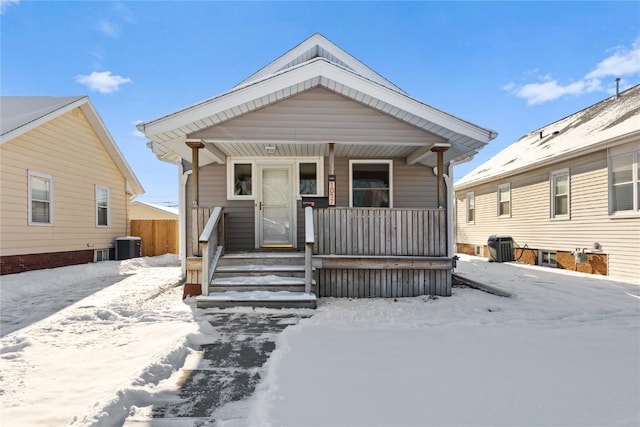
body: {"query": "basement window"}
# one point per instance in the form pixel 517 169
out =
pixel 101 255
pixel 548 258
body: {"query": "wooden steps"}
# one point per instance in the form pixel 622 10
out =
pixel 259 279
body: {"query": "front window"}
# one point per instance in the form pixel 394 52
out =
pixel 370 183
pixel 102 206
pixel 560 194
pixel 504 200
pixel 40 198
pixel 471 207
pixel 624 178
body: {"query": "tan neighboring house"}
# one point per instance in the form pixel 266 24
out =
pixel 142 210
pixel 568 194
pixel 65 189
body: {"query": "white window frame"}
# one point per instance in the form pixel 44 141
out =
pixel 552 182
pixel 471 197
pixel 371 161
pixel 99 188
pixel 100 255
pixel 500 188
pixel 231 178
pixel 635 181
pixel 541 261
pixel 48 177
pixel 319 162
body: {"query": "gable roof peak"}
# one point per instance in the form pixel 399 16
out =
pixel 314 47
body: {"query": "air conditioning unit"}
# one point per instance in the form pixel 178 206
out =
pixel 128 247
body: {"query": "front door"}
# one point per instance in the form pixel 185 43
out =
pixel 275 223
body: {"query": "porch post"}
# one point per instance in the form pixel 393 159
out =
pixel 332 174
pixel 442 192
pixel 195 147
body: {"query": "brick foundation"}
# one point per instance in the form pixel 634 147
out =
pixel 19 263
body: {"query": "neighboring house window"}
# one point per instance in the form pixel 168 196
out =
pixel 240 180
pixel 370 183
pixel 40 198
pixel 504 200
pixel 560 202
pixel 471 207
pixel 102 206
pixel 624 178
pixel 548 258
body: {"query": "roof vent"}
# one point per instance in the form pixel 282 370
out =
pixel 617 87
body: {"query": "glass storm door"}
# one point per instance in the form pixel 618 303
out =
pixel 275 213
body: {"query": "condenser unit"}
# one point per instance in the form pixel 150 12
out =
pixel 128 247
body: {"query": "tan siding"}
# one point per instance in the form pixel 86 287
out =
pixel 531 224
pixel 67 149
pixel 147 212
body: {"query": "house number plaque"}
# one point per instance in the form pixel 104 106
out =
pixel 332 190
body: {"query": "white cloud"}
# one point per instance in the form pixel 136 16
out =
pixel 136 132
pixel 108 28
pixel 624 61
pixel 103 81
pixel 4 4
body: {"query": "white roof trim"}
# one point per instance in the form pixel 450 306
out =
pixel 317 72
pixel 320 46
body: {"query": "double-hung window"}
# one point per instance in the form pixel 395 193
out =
pixel 102 206
pixel 560 200
pixel 40 198
pixel 370 183
pixel 624 182
pixel 471 207
pixel 504 200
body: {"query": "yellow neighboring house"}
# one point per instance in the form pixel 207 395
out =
pixel 65 187
pixel 142 210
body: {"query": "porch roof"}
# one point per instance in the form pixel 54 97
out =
pixel 312 64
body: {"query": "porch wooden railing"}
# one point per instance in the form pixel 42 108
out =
pixel 381 252
pixel 210 245
pixel 309 240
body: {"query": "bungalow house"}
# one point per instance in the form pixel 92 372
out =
pixel 316 127
pixel 568 194
pixel 65 187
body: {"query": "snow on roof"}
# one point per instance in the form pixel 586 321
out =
pixel 168 209
pixel 18 111
pixel 572 136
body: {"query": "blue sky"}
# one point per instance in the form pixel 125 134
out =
pixel 508 66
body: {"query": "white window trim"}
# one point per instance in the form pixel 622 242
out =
pixel 471 195
pixel 97 189
pixel 552 204
pixel 230 178
pixel 371 161
pixel 632 213
pixel 500 187
pixel 51 198
pixel 319 161
pixel 285 161
pixel 541 253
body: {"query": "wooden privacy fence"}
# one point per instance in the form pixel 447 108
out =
pixel 159 236
pixel 368 252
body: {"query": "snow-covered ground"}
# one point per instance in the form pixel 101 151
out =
pixel 89 344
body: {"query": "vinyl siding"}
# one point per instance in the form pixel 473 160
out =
pixel 530 221
pixel 67 149
pixel 414 186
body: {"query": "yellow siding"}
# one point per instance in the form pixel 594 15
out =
pixel 67 149
pixel 147 212
pixel 530 221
